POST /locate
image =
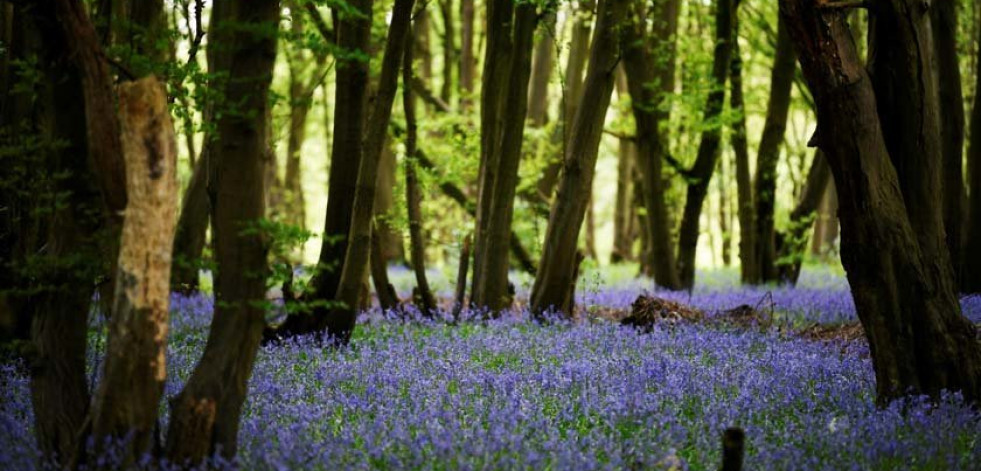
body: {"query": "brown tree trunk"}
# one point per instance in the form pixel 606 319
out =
pixel 708 148
pixel 642 70
pixel 919 341
pixel 388 299
pixel 497 200
pixel 748 263
pixel 554 284
pixel 449 49
pixel 341 320
pixel 724 220
pixel 413 194
pixel 192 228
pixel 972 243
pixel 793 244
pixel 468 62
pixel 205 415
pixel 128 398
pixel 777 109
pixel 623 211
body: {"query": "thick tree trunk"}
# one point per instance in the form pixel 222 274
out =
pixel 341 320
pixel 128 399
pixel 491 267
pixel 777 109
pixel 972 243
pixel 708 148
pixel 554 284
pixel 919 341
pixel 944 26
pixel 640 66
pixel 748 263
pixel 205 415
pixel 413 193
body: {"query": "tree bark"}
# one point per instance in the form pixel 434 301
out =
pixel 748 263
pixel 468 62
pixel 972 243
pixel 554 284
pixel 449 49
pixel 413 194
pixel 640 66
pixel 341 320
pixel 497 200
pixel 125 408
pixel 205 415
pixel 623 212
pixel 919 341
pixel 778 106
pixel 793 244
pixel 708 148
pixel 192 228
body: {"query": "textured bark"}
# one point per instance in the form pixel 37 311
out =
pixel 341 320
pixel 554 286
pixel 468 62
pixel 777 109
pixel 497 200
pixel 972 243
pixel 944 25
pixel 413 193
pixel 642 69
pixel 708 147
pixel 901 61
pixel 748 263
pixel 205 415
pixel 571 92
pixel 793 243
pixel 127 401
pixel 918 339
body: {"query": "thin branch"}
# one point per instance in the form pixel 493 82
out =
pixel 843 4
pixel 320 24
pixel 198 31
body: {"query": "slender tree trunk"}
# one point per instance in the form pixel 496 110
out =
pixel 413 194
pixel 497 200
pixel 623 213
pixel 639 64
pixel 708 148
pixel 205 415
pixel 571 91
pixel 748 263
pixel 778 106
pixel 423 44
pixel 468 62
pixel 449 49
pixel 972 243
pixel 919 341
pixel 127 401
pixel 793 244
pixel 341 320
pixel 724 220
pixel 554 284
pixel 388 299
pixel 192 228
pixel 944 26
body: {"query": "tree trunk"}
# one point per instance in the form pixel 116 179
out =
pixel 449 49
pixel 341 320
pixel 748 263
pixel 497 200
pixel 554 284
pixel 128 398
pixel 640 66
pixel 724 220
pixel 972 243
pixel 571 92
pixel 468 62
pixel 623 212
pixel 708 148
pixel 919 341
pixel 777 109
pixel 205 415
pixel 192 228
pixel 413 194
pixel 388 299
pixel 793 244
pixel 944 26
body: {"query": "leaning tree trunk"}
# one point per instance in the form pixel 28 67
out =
pixel 491 268
pixel 413 193
pixel 919 341
pixel 341 320
pixel 708 148
pixel 124 412
pixel 778 106
pixel 192 228
pixel 640 65
pixel 972 244
pixel 793 243
pixel 205 415
pixel 944 26
pixel 555 281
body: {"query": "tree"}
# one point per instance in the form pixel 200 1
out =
pixel 205 415
pixel 972 243
pixel 903 294
pixel 555 281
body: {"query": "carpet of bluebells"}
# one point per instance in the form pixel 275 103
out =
pixel 513 394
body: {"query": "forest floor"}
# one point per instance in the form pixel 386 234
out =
pixel 591 394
